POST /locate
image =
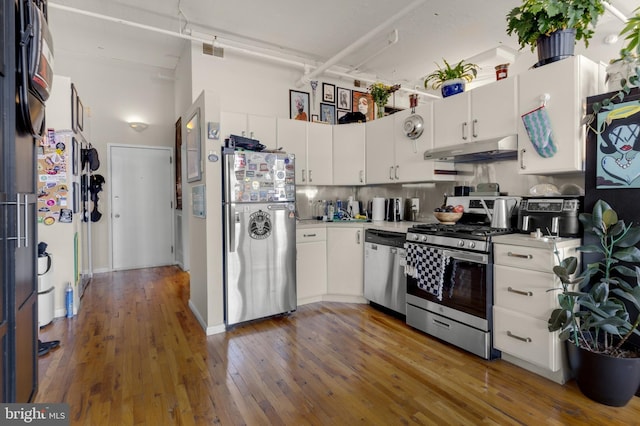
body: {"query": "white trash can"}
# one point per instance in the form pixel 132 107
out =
pixel 45 291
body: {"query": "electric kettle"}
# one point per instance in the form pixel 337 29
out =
pixel 502 211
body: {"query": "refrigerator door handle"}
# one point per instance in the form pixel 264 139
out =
pixel 229 169
pixel 232 227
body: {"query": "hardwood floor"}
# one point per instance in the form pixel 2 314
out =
pixel 136 355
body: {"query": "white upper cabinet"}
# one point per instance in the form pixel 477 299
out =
pixel 311 142
pixel 292 138
pixel 380 156
pixel 483 113
pixel 319 154
pixel 260 127
pixel 565 85
pixel 392 157
pixel 349 154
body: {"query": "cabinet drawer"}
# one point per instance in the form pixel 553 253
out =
pixel 308 235
pixel 526 338
pixel 525 291
pixel 536 259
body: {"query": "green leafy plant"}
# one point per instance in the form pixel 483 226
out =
pixel 592 314
pixel 462 70
pixel 536 18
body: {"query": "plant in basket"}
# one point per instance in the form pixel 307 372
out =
pixel 594 314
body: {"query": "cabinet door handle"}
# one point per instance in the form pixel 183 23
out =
pixel 303 175
pixel 18 225
pixel 244 133
pixel 464 131
pixel 391 173
pixel 309 235
pixel 520 256
pixel 524 293
pixel 251 135
pixel 361 176
pixel 310 178
pixel 523 339
pixel 474 128
pixel 396 172
pixel 358 237
pixel 26 220
pixel 522 151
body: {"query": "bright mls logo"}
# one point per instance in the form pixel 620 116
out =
pixel 35 414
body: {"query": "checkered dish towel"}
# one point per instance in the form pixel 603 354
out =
pixel 427 266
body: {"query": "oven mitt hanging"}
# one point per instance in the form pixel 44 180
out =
pixel 539 131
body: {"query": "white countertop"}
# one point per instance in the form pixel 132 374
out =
pixel 386 226
pixel 529 241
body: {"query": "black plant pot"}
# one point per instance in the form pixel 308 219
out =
pixel 604 379
pixel 557 45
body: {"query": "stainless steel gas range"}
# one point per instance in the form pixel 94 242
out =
pixel 450 278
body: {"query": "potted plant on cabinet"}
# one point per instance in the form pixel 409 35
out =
pixel 554 26
pixel 451 79
pixel 624 72
pixel 592 314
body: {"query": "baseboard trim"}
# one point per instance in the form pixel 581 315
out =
pixel 208 330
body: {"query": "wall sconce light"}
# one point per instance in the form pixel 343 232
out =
pixel 138 126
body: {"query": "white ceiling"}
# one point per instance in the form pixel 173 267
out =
pixel 310 32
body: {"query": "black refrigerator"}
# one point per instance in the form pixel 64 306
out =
pixel 26 53
pixel 612 169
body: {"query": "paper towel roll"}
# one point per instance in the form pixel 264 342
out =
pixel 377 209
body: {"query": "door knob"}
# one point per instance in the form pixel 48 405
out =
pixel 117 215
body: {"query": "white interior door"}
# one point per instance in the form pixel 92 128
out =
pixel 141 206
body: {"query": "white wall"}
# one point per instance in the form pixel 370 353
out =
pixel 114 93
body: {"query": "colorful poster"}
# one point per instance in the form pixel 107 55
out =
pixel 55 203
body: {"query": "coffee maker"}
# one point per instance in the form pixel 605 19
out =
pixel 394 209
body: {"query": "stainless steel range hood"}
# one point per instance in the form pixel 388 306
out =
pixel 504 148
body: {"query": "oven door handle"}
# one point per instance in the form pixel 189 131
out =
pixel 469 257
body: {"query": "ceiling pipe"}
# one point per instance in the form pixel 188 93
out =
pixel 615 12
pixel 298 64
pixel 391 42
pixel 358 43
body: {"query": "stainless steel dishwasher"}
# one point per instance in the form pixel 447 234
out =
pixel 385 283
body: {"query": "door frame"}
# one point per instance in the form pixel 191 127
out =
pixel 171 190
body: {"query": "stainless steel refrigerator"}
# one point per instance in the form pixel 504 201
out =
pixel 260 235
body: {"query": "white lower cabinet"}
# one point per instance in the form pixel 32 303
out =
pixel 523 276
pixel 311 264
pixel 345 263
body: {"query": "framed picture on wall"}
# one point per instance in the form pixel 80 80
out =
pixel 194 173
pixel 363 102
pixel 344 99
pixel 328 93
pixel 74 108
pixel 75 154
pixel 327 113
pixel 314 118
pixel 299 105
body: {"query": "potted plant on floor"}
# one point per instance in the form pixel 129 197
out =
pixel 593 317
pixel 554 26
pixel 623 73
pixel 451 79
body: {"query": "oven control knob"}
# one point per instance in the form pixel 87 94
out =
pixel 461 243
pixel 472 244
pixel 415 237
pixel 424 238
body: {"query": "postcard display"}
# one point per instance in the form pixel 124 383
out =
pixel 55 178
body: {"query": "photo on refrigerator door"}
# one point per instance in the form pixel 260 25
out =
pixel 618 146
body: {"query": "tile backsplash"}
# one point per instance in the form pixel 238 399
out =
pixel 431 195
